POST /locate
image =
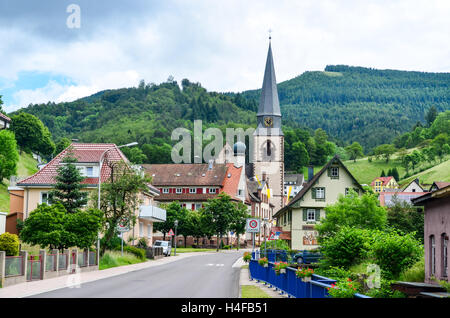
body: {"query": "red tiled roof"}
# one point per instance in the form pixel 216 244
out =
pixel 85 153
pixel 441 184
pixel 231 183
pixel 384 179
pixel 5 117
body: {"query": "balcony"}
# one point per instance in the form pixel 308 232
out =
pixel 152 213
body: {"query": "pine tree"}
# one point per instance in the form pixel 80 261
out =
pixel 395 174
pixel 383 174
pixel 68 185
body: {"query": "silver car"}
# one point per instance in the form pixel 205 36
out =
pixel 165 245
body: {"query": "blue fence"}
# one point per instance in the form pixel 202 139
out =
pixel 288 283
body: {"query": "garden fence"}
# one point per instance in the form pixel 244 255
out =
pixel 288 283
pixel 14 266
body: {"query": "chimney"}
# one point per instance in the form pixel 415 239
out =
pixel 310 173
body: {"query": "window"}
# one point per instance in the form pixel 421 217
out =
pixel 141 229
pixel 311 215
pixel 444 257
pixel 318 193
pixel 44 197
pixel 179 190
pixel 212 190
pixel 166 190
pixel 149 230
pixel 240 192
pixel 90 171
pixel 334 172
pixel 346 191
pixel 192 190
pixel 198 206
pixel 432 256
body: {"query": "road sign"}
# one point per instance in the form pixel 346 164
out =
pixel 122 226
pixel 252 225
pixel 271 236
pixel 170 233
pixel 277 235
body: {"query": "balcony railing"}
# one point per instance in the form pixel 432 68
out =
pixel 152 213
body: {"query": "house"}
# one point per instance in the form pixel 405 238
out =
pixel 295 181
pixel 388 198
pixel 261 207
pixel 27 194
pixel 5 121
pixel 296 221
pixel 438 185
pixel 436 232
pixel 380 184
pixel 414 186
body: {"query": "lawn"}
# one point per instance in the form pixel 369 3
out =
pixel 25 167
pixel 250 291
pixel 114 259
pixel 190 250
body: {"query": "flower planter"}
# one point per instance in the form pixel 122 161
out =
pixel 266 265
pixel 306 279
pixel 283 271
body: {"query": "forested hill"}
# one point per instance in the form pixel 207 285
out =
pixel 361 104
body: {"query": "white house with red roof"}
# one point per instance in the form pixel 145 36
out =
pixel 5 121
pixel 28 193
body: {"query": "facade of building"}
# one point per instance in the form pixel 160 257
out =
pixel 414 186
pixel 380 184
pixel 438 185
pixel 28 193
pixel 5 121
pixel 296 221
pixel 436 233
pixel 295 181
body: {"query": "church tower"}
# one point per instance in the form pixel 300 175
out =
pixel 268 141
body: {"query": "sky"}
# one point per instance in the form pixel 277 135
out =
pixel 220 43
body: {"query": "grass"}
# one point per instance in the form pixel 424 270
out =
pixel 415 273
pixel 190 250
pixel 250 291
pixel 25 167
pixel 365 171
pixel 440 172
pixel 114 259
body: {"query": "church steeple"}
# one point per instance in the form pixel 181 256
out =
pixel 269 114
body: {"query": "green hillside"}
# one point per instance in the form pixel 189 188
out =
pixel 26 167
pixel 361 104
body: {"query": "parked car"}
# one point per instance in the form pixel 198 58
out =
pixel 167 249
pixel 306 257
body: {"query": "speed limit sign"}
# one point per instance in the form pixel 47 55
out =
pixel 252 225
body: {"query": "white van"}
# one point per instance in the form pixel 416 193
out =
pixel 165 245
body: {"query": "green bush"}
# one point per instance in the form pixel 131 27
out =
pixel 347 247
pixel 113 244
pixel 9 243
pixel 395 253
pixel 385 290
pixel 334 272
pixel 415 273
pixel 138 252
pixel 226 247
pixel 142 243
pixel 276 245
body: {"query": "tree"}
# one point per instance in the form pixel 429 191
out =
pixel 219 213
pixel 62 144
pixel 404 217
pixel 31 134
pixel 354 151
pixel 299 155
pixel 68 187
pixel 383 174
pixel 355 211
pixel 239 221
pixel 135 155
pixel 431 115
pixel 385 150
pixel 120 198
pixel 52 227
pixel 9 156
pixel 174 211
pixel 395 174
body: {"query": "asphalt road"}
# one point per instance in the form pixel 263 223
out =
pixel 203 276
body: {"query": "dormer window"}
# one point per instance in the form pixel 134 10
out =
pixel 179 191
pixel 165 190
pixel 90 171
pixel 212 190
pixel 192 190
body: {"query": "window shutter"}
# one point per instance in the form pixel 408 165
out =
pixel 324 196
pixel 305 215
pixel 329 172
pixel 313 193
pixel 317 215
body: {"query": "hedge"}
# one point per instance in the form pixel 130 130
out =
pixel 10 244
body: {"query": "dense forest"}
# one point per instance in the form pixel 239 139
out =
pixel 350 104
pixel 361 104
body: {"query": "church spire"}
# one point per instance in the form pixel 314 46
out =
pixel 269 105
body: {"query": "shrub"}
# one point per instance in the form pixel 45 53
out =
pixel 415 273
pixel 138 252
pixel 9 243
pixel 263 261
pixel 277 245
pixel 343 289
pixel 334 272
pixel 346 247
pixel 226 247
pixel 395 253
pixel 142 243
pixel 113 244
pixel 247 257
pixel 385 291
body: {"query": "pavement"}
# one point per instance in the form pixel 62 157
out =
pixel 28 289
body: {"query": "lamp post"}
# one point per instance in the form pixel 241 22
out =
pixel 265 236
pixel 176 225
pixel 99 186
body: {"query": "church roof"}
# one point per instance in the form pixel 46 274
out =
pixel 269 103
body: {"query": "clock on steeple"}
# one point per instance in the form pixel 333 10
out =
pixel 268 121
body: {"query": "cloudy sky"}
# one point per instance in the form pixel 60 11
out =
pixel 220 43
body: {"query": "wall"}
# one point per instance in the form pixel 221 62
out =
pixel 2 222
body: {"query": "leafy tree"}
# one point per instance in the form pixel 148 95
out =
pixel 135 155
pixel 385 150
pixel 174 211
pixel 68 187
pixel 239 221
pixel 62 144
pixel 404 217
pixel 300 156
pixel 219 212
pixel 355 211
pixel 354 150
pixel 9 156
pixel 1 103
pixel 120 198
pixel 31 134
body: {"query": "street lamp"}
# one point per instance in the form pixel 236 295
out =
pixel 265 236
pixel 99 186
pixel 176 225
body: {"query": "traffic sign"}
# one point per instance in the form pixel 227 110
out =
pixel 122 226
pixel 170 233
pixel 252 225
pixel 271 236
